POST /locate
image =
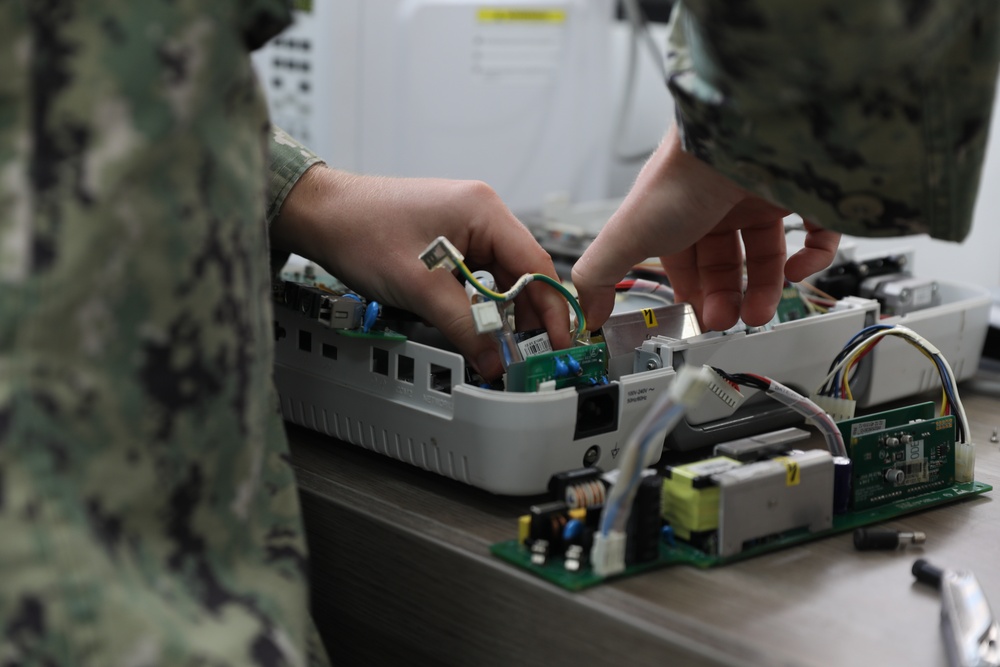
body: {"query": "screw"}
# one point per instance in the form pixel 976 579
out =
pixel 995 437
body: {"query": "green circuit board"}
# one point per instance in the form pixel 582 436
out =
pixel 681 553
pixel 899 454
pixel 590 362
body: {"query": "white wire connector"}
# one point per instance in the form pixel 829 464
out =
pixel 690 385
pixel 839 409
pixel 726 392
pixel 486 317
pixel 607 556
pixel 965 462
pixel 441 253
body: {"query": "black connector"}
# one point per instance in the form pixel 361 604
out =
pixel 596 410
pixel 926 573
pixel 645 524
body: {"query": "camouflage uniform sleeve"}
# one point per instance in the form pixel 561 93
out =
pixel 869 117
pixel 288 161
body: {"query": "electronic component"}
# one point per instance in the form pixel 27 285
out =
pixel 839 409
pixel 623 332
pixel 336 311
pixel 726 391
pixel 721 508
pixel 644 525
pixel 761 446
pixel 792 306
pixel 899 454
pixel 901 293
pixel 582 365
pixel 582 487
pixel 765 499
pixel 691 498
pixel 870 539
pixel 845 279
pixel 567 531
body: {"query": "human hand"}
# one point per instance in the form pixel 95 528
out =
pixel 369 231
pixel 693 218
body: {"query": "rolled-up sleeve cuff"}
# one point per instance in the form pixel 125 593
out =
pixel 288 161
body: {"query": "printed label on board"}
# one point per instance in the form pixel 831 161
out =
pixel 536 345
pixel 864 428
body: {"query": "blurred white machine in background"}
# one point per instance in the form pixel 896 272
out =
pixel 514 93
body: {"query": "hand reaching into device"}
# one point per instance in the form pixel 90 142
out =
pixel 369 231
pixel 693 218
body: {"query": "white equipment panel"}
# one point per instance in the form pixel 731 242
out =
pixel 511 93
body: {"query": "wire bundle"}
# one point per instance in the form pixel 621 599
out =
pixel 655 424
pixel 794 400
pixel 843 367
pixel 442 253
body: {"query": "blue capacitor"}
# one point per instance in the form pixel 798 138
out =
pixel 562 370
pixel 572 531
pixel 574 365
pixel 371 314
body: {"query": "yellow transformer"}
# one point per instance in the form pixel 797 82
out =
pixel 690 501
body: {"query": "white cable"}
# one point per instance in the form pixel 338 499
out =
pixel 686 390
pixel 919 341
pixel 807 408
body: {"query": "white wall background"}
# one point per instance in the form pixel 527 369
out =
pixel 976 260
pixel 652 110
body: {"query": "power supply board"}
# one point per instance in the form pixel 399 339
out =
pixel 555 569
pixel 747 500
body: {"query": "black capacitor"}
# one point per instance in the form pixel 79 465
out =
pixel 841 484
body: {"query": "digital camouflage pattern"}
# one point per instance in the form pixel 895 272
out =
pixel 869 117
pixel 148 513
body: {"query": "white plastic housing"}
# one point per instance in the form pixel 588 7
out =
pixel 380 395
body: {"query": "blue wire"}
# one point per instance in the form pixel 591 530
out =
pixel 856 338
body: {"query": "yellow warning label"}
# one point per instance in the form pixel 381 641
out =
pixel 792 475
pixel 496 15
pixel 650 317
